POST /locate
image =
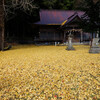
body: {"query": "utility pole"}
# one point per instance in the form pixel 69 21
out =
pixel 2 25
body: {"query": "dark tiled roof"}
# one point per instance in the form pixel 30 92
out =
pixel 56 17
pixel 72 17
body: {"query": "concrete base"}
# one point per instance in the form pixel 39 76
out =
pixel 70 48
pixel 94 50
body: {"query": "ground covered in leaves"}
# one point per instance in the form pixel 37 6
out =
pixel 49 73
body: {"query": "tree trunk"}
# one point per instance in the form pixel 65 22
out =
pixel 1 25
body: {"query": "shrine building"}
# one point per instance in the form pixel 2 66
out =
pixel 55 25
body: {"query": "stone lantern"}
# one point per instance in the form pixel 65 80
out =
pixel 70 45
pixel 95 45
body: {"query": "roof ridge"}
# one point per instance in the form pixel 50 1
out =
pixel 60 10
pixel 76 13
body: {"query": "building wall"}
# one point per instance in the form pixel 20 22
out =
pixel 78 36
pixel 50 33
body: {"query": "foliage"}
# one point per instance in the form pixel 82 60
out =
pixel 55 4
pixel 11 6
pixel 64 4
pixel 91 18
pixel 49 73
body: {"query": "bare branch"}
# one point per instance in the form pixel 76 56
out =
pixel 24 5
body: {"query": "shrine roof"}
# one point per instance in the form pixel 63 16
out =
pixel 56 17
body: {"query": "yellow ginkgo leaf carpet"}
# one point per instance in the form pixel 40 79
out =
pixel 29 72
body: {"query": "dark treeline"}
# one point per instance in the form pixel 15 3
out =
pixel 19 28
pixel 91 19
pixel 55 4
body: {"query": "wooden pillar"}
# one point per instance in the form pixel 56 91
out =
pixel 81 36
pixel 64 36
pixel 54 36
pixel 1 25
pixel 92 35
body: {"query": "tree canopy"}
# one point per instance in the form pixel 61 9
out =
pixel 55 4
pixel 11 7
pixel 91 18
